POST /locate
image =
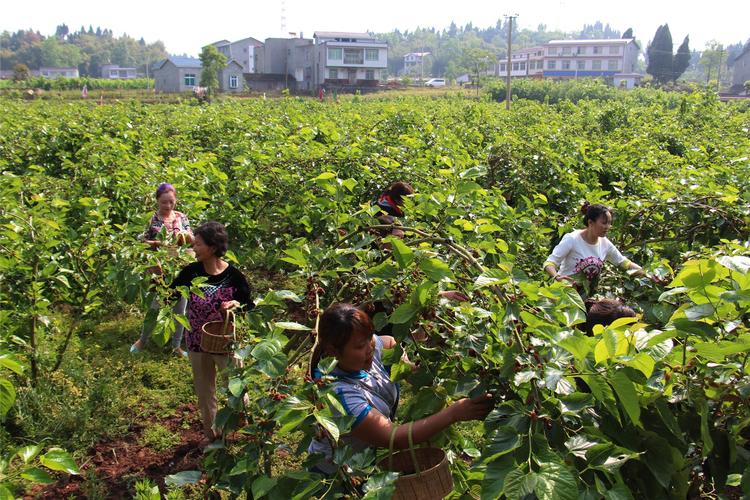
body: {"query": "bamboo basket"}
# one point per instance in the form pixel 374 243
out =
pixel 425 474
pixel 217 336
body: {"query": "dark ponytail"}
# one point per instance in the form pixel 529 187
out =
pixel 593 212
pixel 337 323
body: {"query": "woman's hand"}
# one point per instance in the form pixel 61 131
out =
pixel 471 409
pixel 454 296
pixel 568 280
pixel 229 304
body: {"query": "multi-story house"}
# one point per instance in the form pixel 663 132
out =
pixel 524 63
pixel 613 59
pixel 58 72
pixel 348 59
pixel 248 52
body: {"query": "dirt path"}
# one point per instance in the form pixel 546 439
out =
pixel 118 463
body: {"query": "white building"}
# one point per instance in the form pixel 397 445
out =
pixel 349 59
pixel 524 63
pixel 115 72
pixel 414 61
pixel 613 59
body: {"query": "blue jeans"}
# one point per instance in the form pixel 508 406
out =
pixel 179 308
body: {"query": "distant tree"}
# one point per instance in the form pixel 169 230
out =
pixel 660 56
pixel 62 31
pixel 712 58
pixel 681 59
pixel 20 72
pixel 213 62
pixel 628 33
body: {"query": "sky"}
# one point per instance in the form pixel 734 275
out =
pixel 187 25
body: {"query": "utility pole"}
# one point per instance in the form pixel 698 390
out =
pixel 718 77
pixel 507 72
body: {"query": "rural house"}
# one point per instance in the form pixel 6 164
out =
pixel 741 69
pixel 181 74
pixel 115 72
pixel 349 60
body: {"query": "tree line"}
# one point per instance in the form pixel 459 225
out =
pixel 85 49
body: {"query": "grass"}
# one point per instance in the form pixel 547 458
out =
pixel 159 438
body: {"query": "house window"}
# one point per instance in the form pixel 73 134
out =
pixel 614 49
pixel 371 55
pixel 596 65
pixel 612 65
pixel 113 73
pixel 523 66
pixel 370 74
pixel 552 51
pixel 335 54
pixel 333 73
pixel 597 50
pixel 566 51
pixel 354 56
pixel 189 79
pixel 233 81
pixel 566 65
pixel 502 66
pixel 515 66
pixel 551 64
pixel 580 50
pixel 581 65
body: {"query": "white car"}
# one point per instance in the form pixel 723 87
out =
pixel 435 82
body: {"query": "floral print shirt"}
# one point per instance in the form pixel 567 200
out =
pixel 179 223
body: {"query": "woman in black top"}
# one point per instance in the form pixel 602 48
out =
pixel 224 289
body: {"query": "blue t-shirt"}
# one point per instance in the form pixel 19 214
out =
pixel 360 392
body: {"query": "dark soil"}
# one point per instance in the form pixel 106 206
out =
pixel 118 463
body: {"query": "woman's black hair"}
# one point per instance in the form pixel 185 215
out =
pixel 337 323
pixel 604 312
pixel 398 190
pixel 214 234
pixel 593 212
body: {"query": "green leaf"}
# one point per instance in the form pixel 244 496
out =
pixel 386 271
pixel 183 478
pixel 290 325
pixel 502 441
pixel 329 425
pixel 36 475
pixel 59 460
pixel 5 493
pixel 627 395
pixel 404 313
pixel 578 445
pixel 518 484
pixel 578 346
pixel 738 263
pixel 555 482
pixel 436 269
pixel 708 442
pixel 608 457
pixel 262 485
pixel 401 252
pixel 7 397
pixel 603 393
pixel 28 453
pixel 10 362
pixel 494 477
pixel 380 486
pixel 643 363
pixel 325 176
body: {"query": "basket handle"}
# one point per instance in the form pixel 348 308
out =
pixel 411 448
pixel 230 313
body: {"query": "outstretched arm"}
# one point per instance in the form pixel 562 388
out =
pixel 375 429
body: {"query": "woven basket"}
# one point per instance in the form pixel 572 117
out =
pixel 425 474
pixel 217 336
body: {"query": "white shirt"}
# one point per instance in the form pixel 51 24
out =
pixel 573 255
